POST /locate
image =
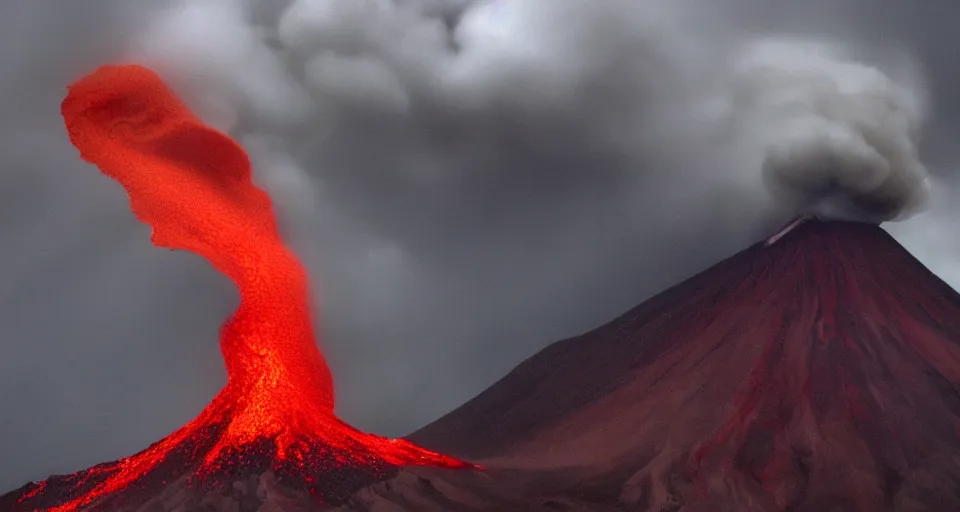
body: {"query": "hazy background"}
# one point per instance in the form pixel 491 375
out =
pixel 553 179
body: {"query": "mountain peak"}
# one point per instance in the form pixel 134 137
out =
pixel 817 371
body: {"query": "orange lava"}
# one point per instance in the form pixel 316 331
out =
pixel 192 185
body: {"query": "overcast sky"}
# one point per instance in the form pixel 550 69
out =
pixel 563 167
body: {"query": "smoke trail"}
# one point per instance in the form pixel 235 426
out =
pixel 832 134
pixel 837 137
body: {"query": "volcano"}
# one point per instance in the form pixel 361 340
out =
pixel 193 186
pixel 815 371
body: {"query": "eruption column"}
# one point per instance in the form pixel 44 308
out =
pixel 192 185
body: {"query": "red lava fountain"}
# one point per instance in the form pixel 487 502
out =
pixel 192 185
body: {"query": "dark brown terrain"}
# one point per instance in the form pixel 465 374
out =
pixel 817 374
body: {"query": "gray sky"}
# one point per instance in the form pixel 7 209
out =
pixel 461 198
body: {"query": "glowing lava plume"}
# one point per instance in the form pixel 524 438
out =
pixel 193 185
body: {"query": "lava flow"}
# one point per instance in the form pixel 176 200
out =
pixel 192 185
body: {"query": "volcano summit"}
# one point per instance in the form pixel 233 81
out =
pixel 816 373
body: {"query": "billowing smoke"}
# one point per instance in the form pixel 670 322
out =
pixel 824 131
pixel 448 73
pixel 837 137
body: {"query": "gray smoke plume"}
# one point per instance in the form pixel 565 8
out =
pixel 837 136
pixel 466 181
pixel 824 131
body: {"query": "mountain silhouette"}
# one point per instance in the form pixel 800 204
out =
pixel 815 373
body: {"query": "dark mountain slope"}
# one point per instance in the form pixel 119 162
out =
pixel 818 372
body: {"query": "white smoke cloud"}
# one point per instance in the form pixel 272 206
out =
pixel 837 137
pixel 822 130
pixel 222 64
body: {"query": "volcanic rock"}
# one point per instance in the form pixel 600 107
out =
pixel 817 373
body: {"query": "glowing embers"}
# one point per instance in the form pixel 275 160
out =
pixel 193 185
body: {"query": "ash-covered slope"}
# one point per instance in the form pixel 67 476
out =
pixel 819 373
